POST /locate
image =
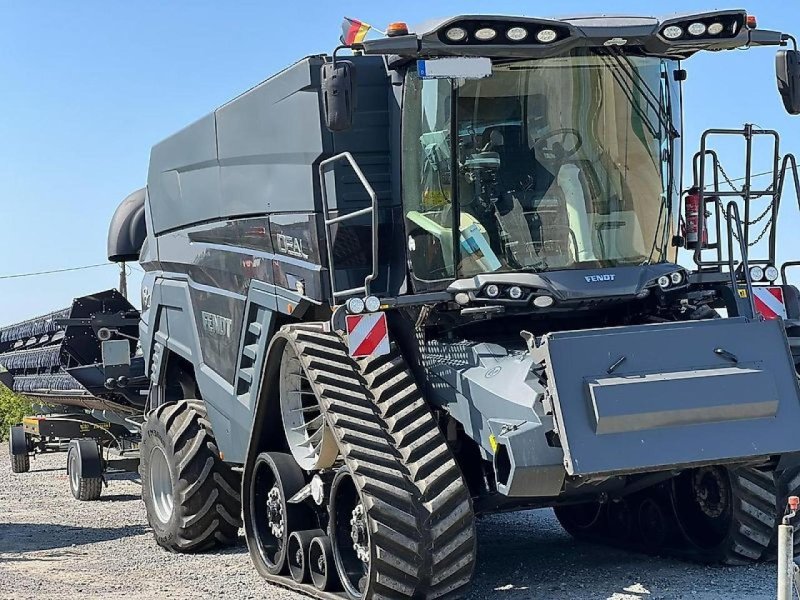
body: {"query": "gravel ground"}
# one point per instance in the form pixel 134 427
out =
pixel 53 545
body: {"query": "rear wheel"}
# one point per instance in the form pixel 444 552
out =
pixel 190 494
pixel 581 520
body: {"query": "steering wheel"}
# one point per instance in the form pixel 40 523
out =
pixel 554 146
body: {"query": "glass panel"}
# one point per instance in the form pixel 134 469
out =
pixel 562 163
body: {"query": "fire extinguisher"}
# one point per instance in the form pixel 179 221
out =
pixel 694 219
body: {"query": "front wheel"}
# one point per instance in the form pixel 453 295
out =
pixel 190 494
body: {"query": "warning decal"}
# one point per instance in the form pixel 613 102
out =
pixel 769 302
pixel 367 335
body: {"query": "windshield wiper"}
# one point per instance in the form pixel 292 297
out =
pixel 623 63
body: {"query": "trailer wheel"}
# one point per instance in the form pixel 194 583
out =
pixel 191 496
pixel 18 450
pixel 85 470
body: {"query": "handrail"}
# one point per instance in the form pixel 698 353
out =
pixel 371 210
pixel 732 214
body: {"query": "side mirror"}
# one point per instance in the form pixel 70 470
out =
pixel 338 94
pixel 787 65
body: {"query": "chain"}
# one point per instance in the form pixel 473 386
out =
pixel 767 211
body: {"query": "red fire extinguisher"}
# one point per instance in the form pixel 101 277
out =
pixel 694 219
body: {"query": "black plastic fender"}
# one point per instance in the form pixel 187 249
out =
pixel 18 441
pixel 90 463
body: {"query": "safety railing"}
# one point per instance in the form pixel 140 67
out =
pixel 371 210
pixel 733 218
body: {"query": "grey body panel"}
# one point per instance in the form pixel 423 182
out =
pixel 675 399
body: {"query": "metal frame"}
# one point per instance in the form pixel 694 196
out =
pixel 372 210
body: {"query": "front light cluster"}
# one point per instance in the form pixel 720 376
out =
pixel 502 33
pixel 769 273
pixel 514 293
pixel 356 305
pixel 674 279
pixel 718 26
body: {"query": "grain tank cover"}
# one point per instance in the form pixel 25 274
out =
pixel 127 231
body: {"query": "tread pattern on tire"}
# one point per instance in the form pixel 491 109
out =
pixel 422 522
pixel 20 463
pixel 755 515
pixel 208 491
pixel 90 488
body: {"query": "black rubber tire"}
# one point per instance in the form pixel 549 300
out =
pixel 268 553
pixel 20 463
pixel 85 489
pixel 582 520
pixel 205 491
pixel 743 535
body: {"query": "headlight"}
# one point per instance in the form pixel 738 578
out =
pixel 715 28
pixel 456 34
pixel 486 34
pixel 355 306
pixel 517 34
pixel 663 282
pixel 546 36
pixel 673 32
pixel 543 301
pixel 756 273
pixel 515 292
pixel 676 278
pixel 492 291
pixel 372 304
pixel 697 28
pixel 771 273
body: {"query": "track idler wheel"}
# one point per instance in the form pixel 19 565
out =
pixel 321 565
pixel 269 517
pixel 297 553
pixel 726 515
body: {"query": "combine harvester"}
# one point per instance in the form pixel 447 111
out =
pixel 438 278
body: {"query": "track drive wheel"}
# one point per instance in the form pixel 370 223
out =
pixel 18 450
pixel 269 519
pixel 726 515
pixel 190 494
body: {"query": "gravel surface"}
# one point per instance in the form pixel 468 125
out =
pixel 52 545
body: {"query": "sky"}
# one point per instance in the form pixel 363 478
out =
pixel 87 87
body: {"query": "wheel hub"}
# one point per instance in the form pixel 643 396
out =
pixel 359 533
pixel 275 512
pixel 708 487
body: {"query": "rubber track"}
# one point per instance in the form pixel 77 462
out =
pixel 419 507
pixel 208 486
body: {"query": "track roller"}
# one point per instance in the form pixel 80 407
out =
pixel 320 565
pixel 297 553
pixel 269 518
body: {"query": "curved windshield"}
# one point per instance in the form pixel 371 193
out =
pixel 560 163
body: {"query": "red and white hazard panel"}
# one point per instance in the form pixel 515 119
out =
pixel 769 302
pixel 367 334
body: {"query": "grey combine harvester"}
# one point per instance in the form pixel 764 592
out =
pixel 438 277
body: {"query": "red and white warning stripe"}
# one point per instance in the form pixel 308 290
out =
pixel 367 334
pixel 769 302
